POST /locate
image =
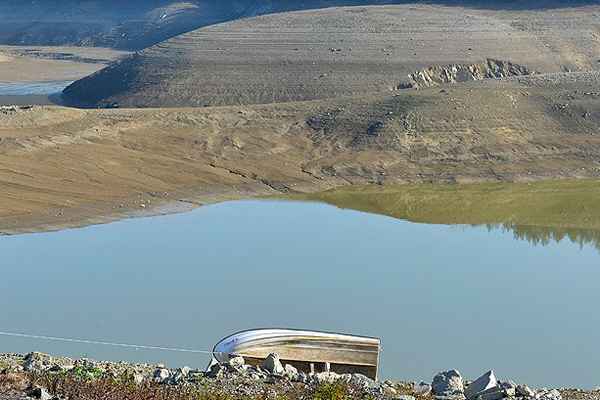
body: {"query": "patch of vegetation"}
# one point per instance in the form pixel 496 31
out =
pixel 87 372
pixel 195 378
pixel 332 391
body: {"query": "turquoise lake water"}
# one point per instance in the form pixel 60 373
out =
pixel 438 296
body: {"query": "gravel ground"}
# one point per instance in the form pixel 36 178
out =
pixel 6 396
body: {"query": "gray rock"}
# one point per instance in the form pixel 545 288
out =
pixel 213 361
pixel 404 397
pixel 421 388
pixel 545 394
pixel 273 365
pixel 161 374
pixel 526 391
pixel 492 394
pixel 290 371
pixel 481 384
pixel 40 393
pixel 300 377
pixel 216 370
pixel 35 365
pixel 507 385
pixel 363 382
pixel 448 385
pixel 175 379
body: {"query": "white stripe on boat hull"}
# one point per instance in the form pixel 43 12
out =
pixel 350 353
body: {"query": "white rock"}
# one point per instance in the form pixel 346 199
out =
pixel 481 384
pixel 329 377
pixel 237 361
pixel 185 371
pixel 290 371
pixel 404 397
pixel 545 394
pixel 448 384
pixel 161 374
pixel 525 391
pixel 389 390
pixel 421 388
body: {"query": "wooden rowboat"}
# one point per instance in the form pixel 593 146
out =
pixel 308 351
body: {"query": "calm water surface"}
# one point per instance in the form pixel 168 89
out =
pixel 32 93
pixel 439 296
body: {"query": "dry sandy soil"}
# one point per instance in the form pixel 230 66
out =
pixel 62 167
pixel 46 63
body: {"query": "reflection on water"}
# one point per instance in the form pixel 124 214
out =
pixel 539 235
pixel 540 212
pixel 438 296
pixel 32 100
pixel 32 93
pixel 32 88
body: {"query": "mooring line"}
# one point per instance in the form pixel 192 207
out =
pixel 135 346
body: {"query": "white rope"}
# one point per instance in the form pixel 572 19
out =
pixel 136 346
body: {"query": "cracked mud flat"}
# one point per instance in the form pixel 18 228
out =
pixel 65 167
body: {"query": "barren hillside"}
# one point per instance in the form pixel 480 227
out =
pixel 342 51
pixel 137 24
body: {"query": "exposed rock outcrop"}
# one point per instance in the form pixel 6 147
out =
pixel 226 378
pixel 457 73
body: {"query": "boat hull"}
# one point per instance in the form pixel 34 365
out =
pixel 309 351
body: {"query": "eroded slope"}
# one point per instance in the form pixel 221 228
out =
pixel 338 51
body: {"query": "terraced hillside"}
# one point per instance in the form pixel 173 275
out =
pixel 137 24
pixel 341 51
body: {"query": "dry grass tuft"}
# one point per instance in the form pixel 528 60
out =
pixel 12 381
pixel 73 385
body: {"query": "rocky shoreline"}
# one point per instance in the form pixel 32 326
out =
pixel 236 379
